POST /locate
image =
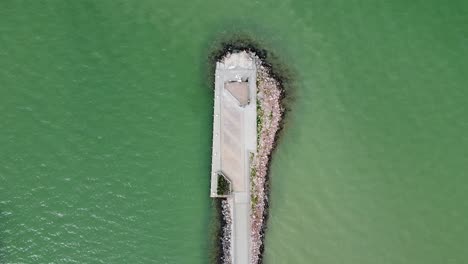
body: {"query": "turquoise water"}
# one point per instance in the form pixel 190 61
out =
pixel 105 130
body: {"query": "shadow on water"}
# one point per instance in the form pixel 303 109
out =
pixel 216 230
pixel 218 47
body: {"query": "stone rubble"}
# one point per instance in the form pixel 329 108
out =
pixel 227 232
pixel 270 114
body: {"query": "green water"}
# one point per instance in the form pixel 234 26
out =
pixel 105 130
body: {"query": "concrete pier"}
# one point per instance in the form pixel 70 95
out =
pixel 234 138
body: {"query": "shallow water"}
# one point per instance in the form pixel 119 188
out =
pixel 106 120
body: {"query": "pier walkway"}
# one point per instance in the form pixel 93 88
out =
pixel 234 138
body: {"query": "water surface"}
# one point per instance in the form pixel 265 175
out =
pixel 105 130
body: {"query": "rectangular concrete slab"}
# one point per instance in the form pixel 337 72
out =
pixel 234 138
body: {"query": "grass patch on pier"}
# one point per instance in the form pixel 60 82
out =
pixel 259 120
pixel 224 186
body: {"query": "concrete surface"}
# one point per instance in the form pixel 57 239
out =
pixel 234 137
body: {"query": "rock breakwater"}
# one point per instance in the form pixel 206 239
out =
pixel 269 117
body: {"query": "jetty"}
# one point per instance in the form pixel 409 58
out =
pixel 234 146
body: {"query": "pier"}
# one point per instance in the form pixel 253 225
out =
pixel 234 141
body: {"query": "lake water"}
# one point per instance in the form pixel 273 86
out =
pixel 105 130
